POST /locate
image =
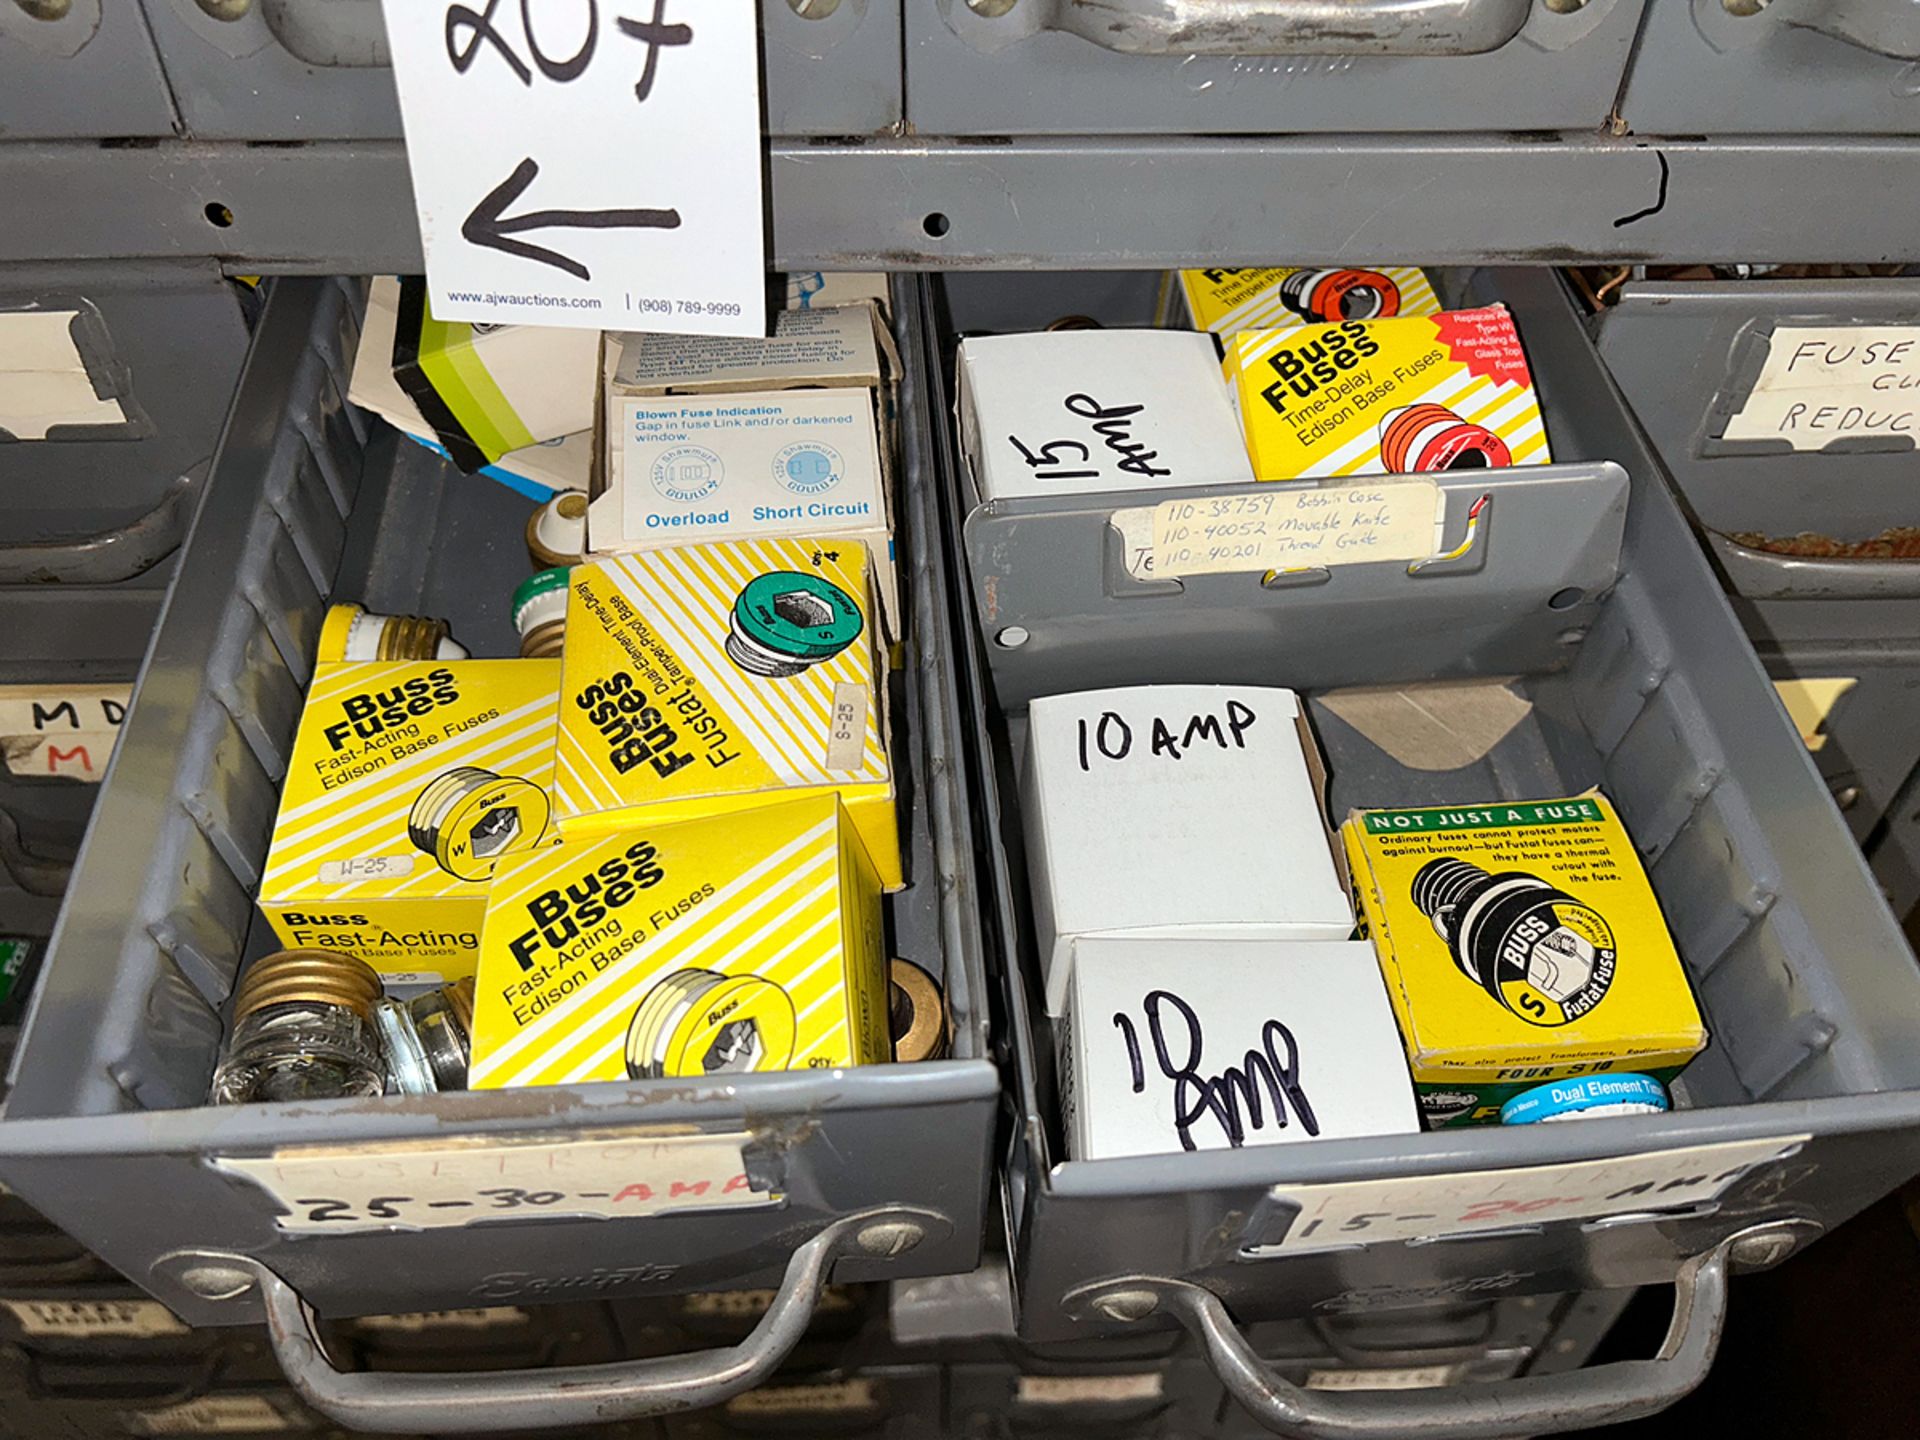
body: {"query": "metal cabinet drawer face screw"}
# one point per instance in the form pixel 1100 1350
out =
pixel 1127 1304
pixel 303 1029
pixel 1568 7
pixel 1744 7
pixel 46 9
pixel 891 1237
pixel 225 9
pixel 813 9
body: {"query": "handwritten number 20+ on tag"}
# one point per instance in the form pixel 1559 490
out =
pixel 488 224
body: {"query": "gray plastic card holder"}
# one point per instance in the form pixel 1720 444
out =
pixel 1523 559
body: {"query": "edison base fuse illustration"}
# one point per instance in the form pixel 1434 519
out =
pixel 700 1022
pixel 1538 951
pixel 785 620
pixel 468 818
pixel 1325 297
pixel 1418 439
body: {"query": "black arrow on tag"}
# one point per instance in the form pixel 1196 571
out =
pixel 487 227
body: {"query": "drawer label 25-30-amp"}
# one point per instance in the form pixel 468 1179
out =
pixel 1432 1207
pixel 330 1190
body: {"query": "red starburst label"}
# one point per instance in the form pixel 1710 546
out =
pixel 1485 342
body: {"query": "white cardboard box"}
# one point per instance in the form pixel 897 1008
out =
pixel 836 346
pixel 742 466
pixel 1175 812
pixel 1265 1042
pixel 540 471
pixel 1071 411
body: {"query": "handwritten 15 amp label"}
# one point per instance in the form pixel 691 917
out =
pixel 1426 1207
pixel 586 164
pixel 331 1190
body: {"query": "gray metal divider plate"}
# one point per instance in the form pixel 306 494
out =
pixel 126 1025
pixel 91 73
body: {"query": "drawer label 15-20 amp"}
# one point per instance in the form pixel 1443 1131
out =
pixel 1433 1207
pixel 330 1190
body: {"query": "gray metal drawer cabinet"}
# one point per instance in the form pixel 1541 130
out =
pixel 1037 67
pixel 1641 682
pixel 1790 67
pixel 319 69
pixel 1688 354
pixel 883 1171
pixel 80 69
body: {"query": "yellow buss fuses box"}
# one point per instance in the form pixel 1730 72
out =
pixel 734 943
pixel 709 678
pixel 1281 297
pixel 408 783
pixel 1521 943
pixel 1404 396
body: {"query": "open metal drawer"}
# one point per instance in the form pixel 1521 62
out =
pixel 1641 682
pixel 884 1170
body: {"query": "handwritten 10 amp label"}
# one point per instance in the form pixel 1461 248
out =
pixel 1294 528
pixel 331 1190
pixel 1431 1207
pixel 586 164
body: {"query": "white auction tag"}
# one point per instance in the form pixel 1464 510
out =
pixel 327 1190
pixel 1293 527
pixel 586 164
pixel 1412 1377
pixel 143 1319
pixel 1088 1389
pixel 1822 383
pixel 1425 1207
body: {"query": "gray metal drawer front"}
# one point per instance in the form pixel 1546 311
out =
pixel 82 69
pixel 1263 66
pixel 320 70
pixel 1808 990
pixel 1793 67
pixel 106 1131
pixel 1687 354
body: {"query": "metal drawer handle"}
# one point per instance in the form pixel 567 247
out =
pixel 465 1404
pixel 1531 1405
pixel 1285 27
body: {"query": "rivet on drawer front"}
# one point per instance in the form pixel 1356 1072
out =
pixel 1127 1304
pixel 891 1237
pixel 225 9
pixel 46 9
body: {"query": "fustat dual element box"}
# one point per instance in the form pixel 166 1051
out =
pixel 1175 812
pixel 1278 297
pixel 711 678
pixel 1176 1044
pixel 1521 943
pixel 717 946
pixel 741 466
pixel 1408 395
pixel 409 782
pixel 1069 412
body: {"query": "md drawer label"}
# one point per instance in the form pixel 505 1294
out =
pixel 324 1190
pixel 65 731
pixel 1433 1207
